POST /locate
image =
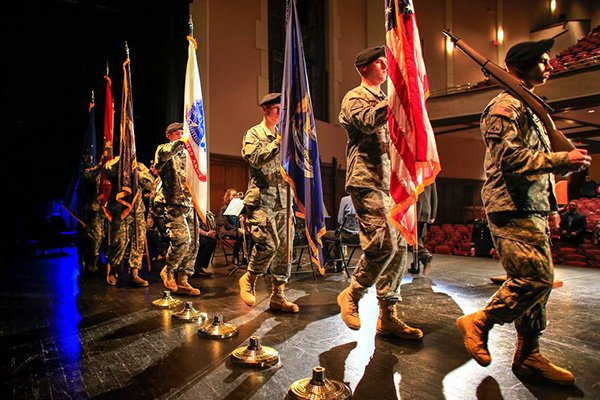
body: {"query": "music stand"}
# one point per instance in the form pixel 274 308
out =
pixel 234 209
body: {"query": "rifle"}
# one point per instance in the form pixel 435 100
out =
pixel 512 85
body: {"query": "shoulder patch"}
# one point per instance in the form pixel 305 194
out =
pixel 355 104
pixel 503 111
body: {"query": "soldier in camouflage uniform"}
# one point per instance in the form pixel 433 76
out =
pixel 265 201
pixel 364 116
pixel 519 200
pixel 94 216
pixel 128 233
pixel 173 203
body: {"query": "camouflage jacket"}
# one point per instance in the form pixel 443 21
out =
pixel 88 189
pixel 145 185
pixel 266 187
pixel 170 162
pixel 519 164
pixel 364 116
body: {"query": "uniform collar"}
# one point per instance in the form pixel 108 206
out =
pixel 267 130
pixel 380 95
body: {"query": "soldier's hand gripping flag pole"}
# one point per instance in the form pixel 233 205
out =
pixel 299 150
pixel 413 151
pixel 194 134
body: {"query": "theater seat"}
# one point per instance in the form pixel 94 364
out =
pixel 443 250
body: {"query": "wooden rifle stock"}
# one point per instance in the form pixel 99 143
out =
pixel 558 140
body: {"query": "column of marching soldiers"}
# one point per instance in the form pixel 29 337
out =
pixel 518 228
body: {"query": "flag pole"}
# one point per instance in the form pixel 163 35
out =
pixel 416 244
pixel 288 244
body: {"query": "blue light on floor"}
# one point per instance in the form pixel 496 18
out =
pixel 63 281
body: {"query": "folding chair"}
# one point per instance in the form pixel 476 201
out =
pixel 348 219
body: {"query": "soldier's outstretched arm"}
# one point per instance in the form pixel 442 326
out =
pixel 364 116
pixel 167 151
pixel 255 152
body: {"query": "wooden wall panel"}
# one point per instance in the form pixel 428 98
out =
pixel 226 172
pixel 459 199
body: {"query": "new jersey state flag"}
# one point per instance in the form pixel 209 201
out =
pixel 299 150
pixel 194 135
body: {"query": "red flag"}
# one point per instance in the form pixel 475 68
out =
pixel 413 152
pixel 109 117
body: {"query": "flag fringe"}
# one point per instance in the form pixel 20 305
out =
pixel 314 253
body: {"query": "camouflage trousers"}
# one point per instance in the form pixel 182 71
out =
pixel 95 232
pixel 183 230
pixel 268 230
pixel 524 251
pixel 128 234
pixel 384 250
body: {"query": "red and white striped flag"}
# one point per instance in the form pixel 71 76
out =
pixel 413 152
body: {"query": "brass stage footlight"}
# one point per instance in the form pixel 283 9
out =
pixel 318 388
pixel 255 355
pixel 167 301
pixel 190 314
pixel 218 329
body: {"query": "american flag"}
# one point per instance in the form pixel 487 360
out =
pixel 413 152
pixel 299 149
pixel 194 134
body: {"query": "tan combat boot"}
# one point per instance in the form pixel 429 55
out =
pixel 388 323
pixel 183 287
pixel 474 329
pixel 135 280
pixel 278 300
pixel 247 283
pixel 528 361
pixel 168 278
pixel 111 275
pixel 348 301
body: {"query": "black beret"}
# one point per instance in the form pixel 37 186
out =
pixel 528 51
pixel 369 55
pixel 271 98
pixel 175 126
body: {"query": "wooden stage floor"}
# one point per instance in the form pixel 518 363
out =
pixel 67 336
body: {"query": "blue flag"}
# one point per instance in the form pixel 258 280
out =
pixel 299 150
pixel 76 193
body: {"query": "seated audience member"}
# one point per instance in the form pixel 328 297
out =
pixel 597 233
pixel 482 244
pixel 572 224
pixel 348 231
pixel 207 243
pixel 229 225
